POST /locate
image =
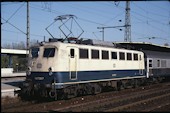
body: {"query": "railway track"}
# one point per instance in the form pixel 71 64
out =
pixel 125 100
pixel 120 103
pixel 143 101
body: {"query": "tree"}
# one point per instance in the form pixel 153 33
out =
pixel 20 45
pixel 4 61
pixel 166 44
pixel 33 42
pixel 7 46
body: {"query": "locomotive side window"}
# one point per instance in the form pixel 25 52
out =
pixel 121 56
pixel 35 52
pixel 135 56
pixel 72 53
pixel 114 55
pixel 105 54
pixel 129 56
pixel 83 53
pixel 49 52
pixel 95 54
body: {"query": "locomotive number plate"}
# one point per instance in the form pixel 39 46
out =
pixel 39 65
pixel 39 78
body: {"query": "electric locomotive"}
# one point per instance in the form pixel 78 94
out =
pixel 75 67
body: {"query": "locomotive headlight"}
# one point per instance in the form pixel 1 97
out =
pixel 50 71
pixel 28 71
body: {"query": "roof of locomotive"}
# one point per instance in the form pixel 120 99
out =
pixel 87 42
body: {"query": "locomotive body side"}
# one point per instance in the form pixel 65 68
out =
pixel 82 68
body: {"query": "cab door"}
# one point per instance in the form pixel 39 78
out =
pixel 140 64
pixel 72 57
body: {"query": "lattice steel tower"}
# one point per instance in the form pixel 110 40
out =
pixel 127 37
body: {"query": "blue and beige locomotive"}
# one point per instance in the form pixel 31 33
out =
pixel 67 69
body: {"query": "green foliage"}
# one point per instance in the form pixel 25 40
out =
pixel 19 63
pixel 4 61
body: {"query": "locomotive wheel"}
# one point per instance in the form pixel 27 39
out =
pixel 97 89
pixel 69 92
pixel 63 96
pixel 80 92
pixel 71 95
pixel 119 85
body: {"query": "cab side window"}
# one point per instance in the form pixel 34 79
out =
pixel 121 56
pixel 72 53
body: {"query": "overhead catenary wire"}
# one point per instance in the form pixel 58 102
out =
pixel 13 3
pixel 120 7
pixel 148 11
pixel 160 7
pixel 37 35
pixel 14 13
pixel 114 17
pixel 154 27
pixel 14 26
pixel 150 19
pixel 93 12
pixel 86 20
pixel 91 21
pixel 62 13
pixel 34 19
pixel 57 12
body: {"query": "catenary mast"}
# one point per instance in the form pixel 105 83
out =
pixel 28 34
pixel 127 37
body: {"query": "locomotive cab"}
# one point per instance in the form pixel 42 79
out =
pixel 42 58
pixel 40 73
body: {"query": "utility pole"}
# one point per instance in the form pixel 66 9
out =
pixel 127 37
pixel 28 35
pixel 105 28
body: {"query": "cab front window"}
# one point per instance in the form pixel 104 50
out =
pixel 49 52
pixel 35 52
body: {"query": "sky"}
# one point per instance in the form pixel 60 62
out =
pixel 148 19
